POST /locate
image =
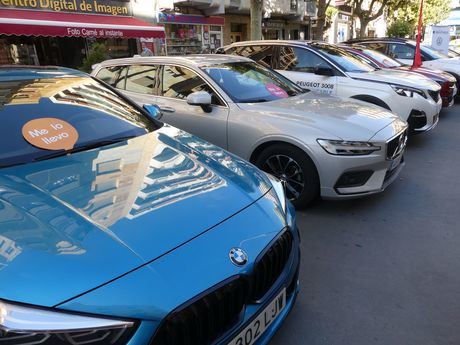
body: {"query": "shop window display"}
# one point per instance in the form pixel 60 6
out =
pixel 183 39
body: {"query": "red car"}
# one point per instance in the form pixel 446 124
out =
pixel 379 60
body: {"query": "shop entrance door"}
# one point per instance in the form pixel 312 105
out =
pixel 236 37
pixel 61 51
pixel 215 38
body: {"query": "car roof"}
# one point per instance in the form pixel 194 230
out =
pixel 270 42
pixel 384 39
pixel 10 72
pixel 198 60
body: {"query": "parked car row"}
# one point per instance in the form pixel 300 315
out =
pixel 118 228
pixel 265 113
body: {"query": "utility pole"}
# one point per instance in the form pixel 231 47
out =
pixel 256 19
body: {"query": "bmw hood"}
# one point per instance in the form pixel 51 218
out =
pixel 73 223
pixel 344 118
pixel 397 77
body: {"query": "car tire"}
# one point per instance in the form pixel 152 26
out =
pixel 295 167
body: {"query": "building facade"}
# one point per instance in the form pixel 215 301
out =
pixel 227 21
pixel 45 32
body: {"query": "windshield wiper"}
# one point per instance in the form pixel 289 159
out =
pixel 255 100
pixel 83 148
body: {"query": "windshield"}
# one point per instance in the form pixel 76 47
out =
pixel 382 58
pixel 44 118
pixel 342 58
pixel 434 54
pixel 247 82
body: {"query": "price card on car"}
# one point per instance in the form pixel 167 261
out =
pixel 258 326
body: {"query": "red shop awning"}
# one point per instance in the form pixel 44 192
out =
pixel 36 23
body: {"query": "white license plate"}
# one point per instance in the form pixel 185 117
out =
pixel 258 326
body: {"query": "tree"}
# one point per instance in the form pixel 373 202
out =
pixel 367 11
pixel 256 19
pixel 434 11
pixel 97 53
pixel 400 28
pixel 322 23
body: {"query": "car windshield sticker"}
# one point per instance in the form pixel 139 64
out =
pixel 50 134
pixel 276 90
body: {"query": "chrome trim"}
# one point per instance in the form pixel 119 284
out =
pixel 401 145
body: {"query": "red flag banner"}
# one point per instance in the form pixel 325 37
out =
pixel 418 55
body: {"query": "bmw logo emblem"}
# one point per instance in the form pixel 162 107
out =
pixel 238 256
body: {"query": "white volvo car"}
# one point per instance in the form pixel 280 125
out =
pixel 328 69
pixel 318 145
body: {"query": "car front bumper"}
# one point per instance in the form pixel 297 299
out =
pixel 289 280
pixel 347 177
pixel 430 111
pixel 383 174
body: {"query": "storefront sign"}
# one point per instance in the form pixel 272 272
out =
pixel 177 18
pixel 111 7
pixel 69 31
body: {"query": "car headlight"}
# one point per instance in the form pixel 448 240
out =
pixel 408 91
pixel 278 189
pixel 21 325
pixel 347 148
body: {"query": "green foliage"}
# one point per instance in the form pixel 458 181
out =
pixel 400 28
pixel 434 11
pixel 97 53
pixel 330 13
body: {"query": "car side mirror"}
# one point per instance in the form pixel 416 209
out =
pixel 153 111
pixel 326 71
pixel 201 98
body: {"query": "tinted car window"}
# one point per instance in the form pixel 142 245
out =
pixel 142 79
pixel 179 82
pixel 98 115
pixel 382 58
pixel 401 51
pixel 261 54
pixel 246 82
pixel 114 76
pixel 432 53
pixel 364 59
pixel 342 58
pixel 299 59
pixel 379 46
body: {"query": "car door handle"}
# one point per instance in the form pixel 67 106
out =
pixel 168 109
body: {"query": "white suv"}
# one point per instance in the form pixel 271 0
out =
pixel 331 70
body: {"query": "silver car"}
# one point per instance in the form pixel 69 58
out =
pixel 317 145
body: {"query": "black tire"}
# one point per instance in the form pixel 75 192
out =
pixel 267 161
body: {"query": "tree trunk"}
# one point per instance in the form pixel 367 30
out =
pixel 318 30
pixel 256 19
pixel 362 30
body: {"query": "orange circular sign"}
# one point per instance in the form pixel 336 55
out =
pixel 50 134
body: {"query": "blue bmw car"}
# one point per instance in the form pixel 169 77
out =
pixel 118 229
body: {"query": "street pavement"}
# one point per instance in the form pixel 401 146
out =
pixel 386 269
